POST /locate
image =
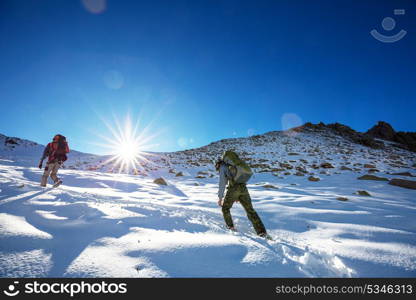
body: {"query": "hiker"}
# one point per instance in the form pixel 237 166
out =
pixel 56 153
pixel 236 173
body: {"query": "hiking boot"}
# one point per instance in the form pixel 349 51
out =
pixel 43 185
pixel 265 235
pixel 57 183
pixel 232 228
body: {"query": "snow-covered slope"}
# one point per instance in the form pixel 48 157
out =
pixel 101 223
pixel 28 153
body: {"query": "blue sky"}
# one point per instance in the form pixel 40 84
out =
pixel 198 71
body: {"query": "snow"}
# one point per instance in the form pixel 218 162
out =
pixel 32 263
pixel 13 226
pixel 104 224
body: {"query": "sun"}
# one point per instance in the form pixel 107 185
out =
pixel 127 145
pixel 127 150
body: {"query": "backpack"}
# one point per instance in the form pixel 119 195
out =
pixel 239 169
pixel 59 153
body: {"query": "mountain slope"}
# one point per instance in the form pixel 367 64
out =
pixel 101 223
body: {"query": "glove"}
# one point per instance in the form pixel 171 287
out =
pixel 40 165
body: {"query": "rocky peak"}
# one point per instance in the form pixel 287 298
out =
pixel 382 130
pixel 344 131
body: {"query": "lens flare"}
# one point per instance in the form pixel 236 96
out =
pixel 127 145
pixel 289 121
pixel 95 6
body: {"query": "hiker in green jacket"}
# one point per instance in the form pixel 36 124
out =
pixel 236 173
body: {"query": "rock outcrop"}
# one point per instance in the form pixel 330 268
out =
pixel 344 131
pixel 408 184
pixel 385 131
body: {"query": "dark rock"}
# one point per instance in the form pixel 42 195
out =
pixel 277 170
pixel 259 166
pixel 10 141
pixel 369 166
pixel 326 165
pixel 363 193
pixel 301 169
pixel 311 178
pixel 344 168
pixel 408 184
pixel 270 186
pixel 372 177
pixel 342 199
pixel 286 166
pixel 179 174
pixel 160 181
pixel 404 174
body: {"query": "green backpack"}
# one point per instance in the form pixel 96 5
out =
pixel 239 170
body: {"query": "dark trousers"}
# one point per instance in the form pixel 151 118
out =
pixel 239 192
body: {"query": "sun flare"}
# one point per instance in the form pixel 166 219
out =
pixel 127 145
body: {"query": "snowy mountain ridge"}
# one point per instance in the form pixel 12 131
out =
pixel 265 152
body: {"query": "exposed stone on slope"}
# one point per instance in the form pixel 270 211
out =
pixel 160 181
pixel 363 193
pixel 342 199
pixel 409 184
pixel 404 174
pixel 372 177
pixel 270 186
pixel 326 165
